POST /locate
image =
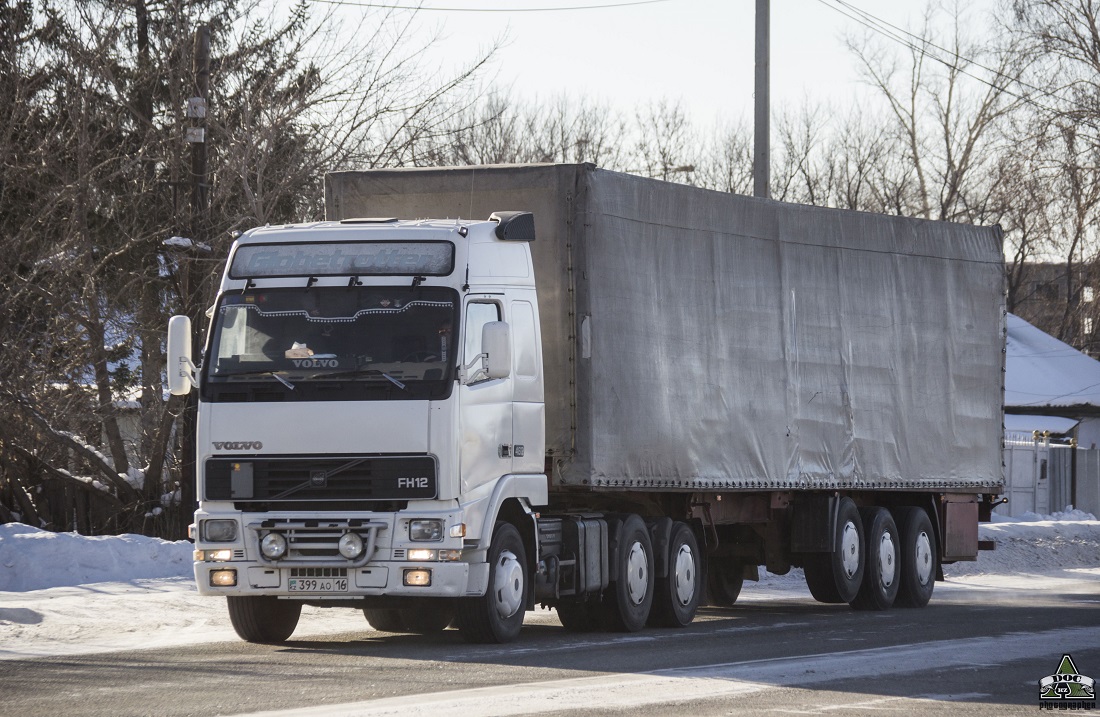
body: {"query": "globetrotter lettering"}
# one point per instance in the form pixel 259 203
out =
pixel 237 445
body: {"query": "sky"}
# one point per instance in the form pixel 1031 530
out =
pixel 700 52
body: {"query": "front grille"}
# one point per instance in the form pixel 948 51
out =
pixel 304 480
pixel 317 541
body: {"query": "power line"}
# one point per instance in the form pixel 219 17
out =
pixel 955 53
pixel 420 8
pixel 881 27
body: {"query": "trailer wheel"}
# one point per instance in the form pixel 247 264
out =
pixel 579 616
pixel 629 598
pixel 880 576
pixel 497 616
pixel 835 577
pixel 918 554
pixel 384 619
pixel 725 578
pixel 263 618
pixel 676 596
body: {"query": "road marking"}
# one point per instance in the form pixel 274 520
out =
pixel 574 645
pixel 881 704
pixel 723 680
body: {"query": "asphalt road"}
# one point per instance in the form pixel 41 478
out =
pixel 976 651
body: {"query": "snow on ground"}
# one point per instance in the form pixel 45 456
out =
pixel 66 594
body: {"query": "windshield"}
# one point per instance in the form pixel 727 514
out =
pixel 384 340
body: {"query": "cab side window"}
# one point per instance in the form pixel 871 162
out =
pixel 477 315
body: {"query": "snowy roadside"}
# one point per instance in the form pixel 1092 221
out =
pixel 66 594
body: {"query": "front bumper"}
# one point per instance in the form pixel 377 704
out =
pixel 447 579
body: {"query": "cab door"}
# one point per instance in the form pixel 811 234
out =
pixel 485 404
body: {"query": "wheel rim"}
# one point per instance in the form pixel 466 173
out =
pixel 887 560
pixel 637 573
pixel 685 575
pixel 923 557
pixel 849 549
pixel 508 584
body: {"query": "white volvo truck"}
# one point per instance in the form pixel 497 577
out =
pixel 609 395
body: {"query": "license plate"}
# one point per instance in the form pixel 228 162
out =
pixel 318 585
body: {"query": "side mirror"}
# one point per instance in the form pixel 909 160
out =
pixel 496 342
pixel 181 371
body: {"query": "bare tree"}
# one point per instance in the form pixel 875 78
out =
pixel 95 178
pixel 949 96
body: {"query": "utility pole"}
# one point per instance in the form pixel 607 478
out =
pixel 200 227
pixel 761 159
pixel 196 135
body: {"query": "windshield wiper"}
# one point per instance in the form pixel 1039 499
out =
pixel 362 372
pixel 265 372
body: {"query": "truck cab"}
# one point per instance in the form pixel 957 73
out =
pixel 370 426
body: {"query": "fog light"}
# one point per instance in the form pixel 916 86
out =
pixel 421 554
pixel 350 545
pixel 223 578
pixel 273 546
pixel 426 530
pixel 418 578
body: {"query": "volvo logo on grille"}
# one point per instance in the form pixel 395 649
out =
pixel 237 445
pixel 318 479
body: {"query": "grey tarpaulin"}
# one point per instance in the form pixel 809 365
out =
pixel 704 340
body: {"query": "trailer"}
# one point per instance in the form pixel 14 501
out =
pixel 610 395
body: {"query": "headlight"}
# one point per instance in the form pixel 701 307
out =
pixel 273 545
pixel 426 530
pixel 219 531
pixel 350 545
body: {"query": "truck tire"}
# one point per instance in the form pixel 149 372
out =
pixel 579 616
pixel 497 616
pixel 725 578
pixel 629 598
pixel 880 576
pixel 384 619
pixel 263 618
pixel 918 555
pixel 428 621
pixel 676 596
pixel 835 577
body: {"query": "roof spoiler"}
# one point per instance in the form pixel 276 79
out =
pixel 514 226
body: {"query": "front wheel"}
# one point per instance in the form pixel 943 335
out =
pixel 497 616
pixel 263 618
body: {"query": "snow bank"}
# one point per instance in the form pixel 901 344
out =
pixel 67 594
pixel 1070 513
pixel 1039 545
pixel 33 559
